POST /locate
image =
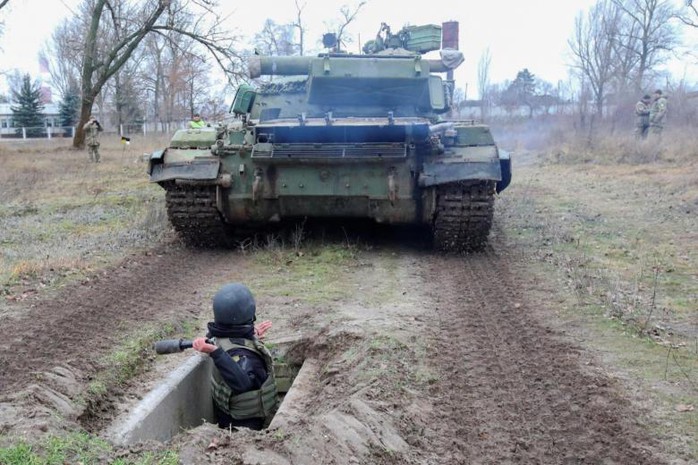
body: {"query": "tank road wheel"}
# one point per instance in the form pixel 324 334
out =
pixel 193 213
pixel 463 216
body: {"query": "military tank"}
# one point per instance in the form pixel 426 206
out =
pixel 339 135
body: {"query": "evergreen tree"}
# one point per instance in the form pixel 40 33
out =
pixel 28 112
pixel 522 91
pixel 68 108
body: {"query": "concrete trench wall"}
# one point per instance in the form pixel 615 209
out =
pixel 183 401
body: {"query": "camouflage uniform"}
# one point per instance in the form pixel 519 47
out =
pixel 92 129
pixel 642 118
pixel 657 114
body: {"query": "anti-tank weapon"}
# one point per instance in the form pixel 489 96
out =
pixel 173 346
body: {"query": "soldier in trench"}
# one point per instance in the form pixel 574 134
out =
pixel 242 382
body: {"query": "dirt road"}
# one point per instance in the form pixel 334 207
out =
pixel 433 359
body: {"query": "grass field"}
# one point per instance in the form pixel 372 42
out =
pixel 62 216
pixel 616 227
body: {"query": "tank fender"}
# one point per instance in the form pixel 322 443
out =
pixel 505 168
pixel 200 170
pixel 157 156
pixel 434 174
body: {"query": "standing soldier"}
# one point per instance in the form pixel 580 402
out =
pixel 92 129
pixel 658 113
pixel 642 117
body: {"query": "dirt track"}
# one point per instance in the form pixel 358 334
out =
pixel 501 385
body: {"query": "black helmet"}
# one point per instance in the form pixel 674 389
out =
pixel 233 305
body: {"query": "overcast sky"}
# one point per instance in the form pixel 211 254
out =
pixel 520 34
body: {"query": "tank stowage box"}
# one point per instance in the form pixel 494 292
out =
pixel 423 39
pixel 340 135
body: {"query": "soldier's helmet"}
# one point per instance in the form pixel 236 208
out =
pixel 234 305
pixel 646 98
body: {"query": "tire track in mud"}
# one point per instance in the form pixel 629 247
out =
pixel 512 390
pixel 84 321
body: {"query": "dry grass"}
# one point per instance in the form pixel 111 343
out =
pixel 62 216
pixel 673 146
pixel 618 230
pixel 625 235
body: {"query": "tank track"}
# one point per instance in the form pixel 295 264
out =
pixel 193 213
pixel 463 216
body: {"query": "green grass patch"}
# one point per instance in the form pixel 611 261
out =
pixel 313 273
pixel 127 360
pixel 78 448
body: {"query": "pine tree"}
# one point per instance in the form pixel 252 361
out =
pixel 28 112
pixel 522 91
pixel 68 108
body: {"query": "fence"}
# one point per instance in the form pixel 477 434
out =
pixel 69 131
pixel 37 132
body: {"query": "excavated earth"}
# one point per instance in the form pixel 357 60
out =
pixel 434 359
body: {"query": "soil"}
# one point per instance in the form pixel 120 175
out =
pixel 436 360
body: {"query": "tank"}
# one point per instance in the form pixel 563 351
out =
pixel 339 135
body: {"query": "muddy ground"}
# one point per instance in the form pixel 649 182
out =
pixel 432 360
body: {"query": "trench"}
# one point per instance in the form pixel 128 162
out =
pixel 182 400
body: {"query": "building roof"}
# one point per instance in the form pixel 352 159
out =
pixel 50 109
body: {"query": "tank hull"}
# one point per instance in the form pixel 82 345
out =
pixel 347 137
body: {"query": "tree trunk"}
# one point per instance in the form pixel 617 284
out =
pixel 85 112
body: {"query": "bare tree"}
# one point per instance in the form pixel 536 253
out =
pixel 2 25
pixel 348 15
pixel 298 24
pixel 649 35
pixel 63 53
pixel 689 15
pixel 483 82
pixel 275 39
pixel 625 61
pixel 115 33
pixel 592 48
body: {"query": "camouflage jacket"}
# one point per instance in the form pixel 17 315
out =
pixel 642 113
pixel 658 110
pixel 92 130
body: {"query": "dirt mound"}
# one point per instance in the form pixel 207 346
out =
pixel 434 359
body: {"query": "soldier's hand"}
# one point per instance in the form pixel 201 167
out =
pixel 200 345
pixel 261 328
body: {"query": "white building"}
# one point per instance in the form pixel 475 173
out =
pixel 51 119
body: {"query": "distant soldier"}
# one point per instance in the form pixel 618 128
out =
pixel 197 122
pixel 92 129
pixel 642 117
pixel 658 113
